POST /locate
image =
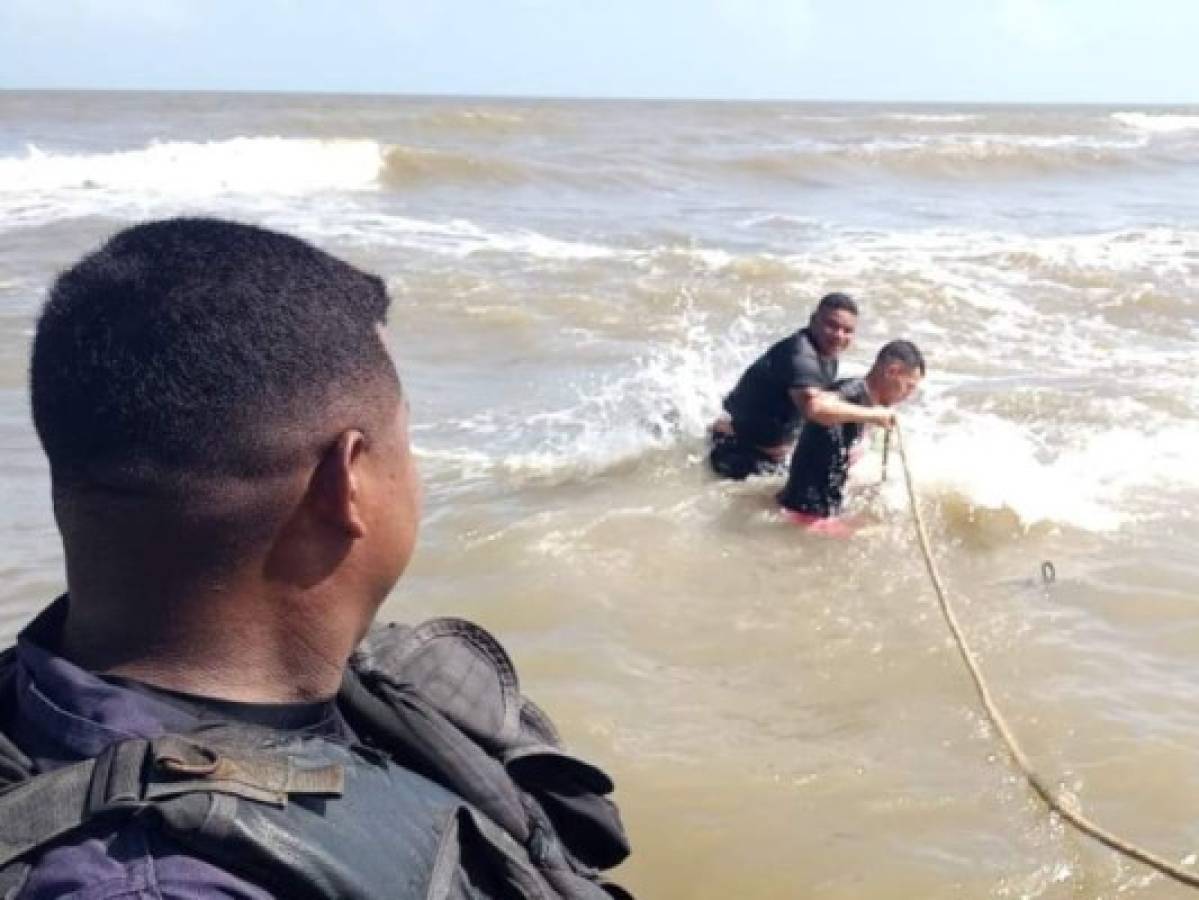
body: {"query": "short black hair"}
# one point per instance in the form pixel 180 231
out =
pixel 905 353
pixel 837 300
pixel 200 347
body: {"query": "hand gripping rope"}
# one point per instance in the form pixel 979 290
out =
pixel 1043 790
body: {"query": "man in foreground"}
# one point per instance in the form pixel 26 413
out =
pixel 236 495
pixel 821 460
pixel 790 383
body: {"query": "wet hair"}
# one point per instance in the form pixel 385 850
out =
pixel 191 350
pixel 905 353
pixel 836 300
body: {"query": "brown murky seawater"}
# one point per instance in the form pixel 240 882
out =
pixel 576 284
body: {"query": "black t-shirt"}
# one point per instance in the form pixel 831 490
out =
pixel 820 463
pixel 314 717
pixel 761 407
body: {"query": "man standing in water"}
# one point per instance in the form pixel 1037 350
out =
pixel 232 479
pixel 790 383
pixel 820 463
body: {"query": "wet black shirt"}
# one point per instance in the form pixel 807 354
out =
pixel 764 415
pixel 820 462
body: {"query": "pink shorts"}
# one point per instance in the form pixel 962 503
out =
pixel 840 527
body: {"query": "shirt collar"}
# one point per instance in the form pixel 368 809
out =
pixel 74 713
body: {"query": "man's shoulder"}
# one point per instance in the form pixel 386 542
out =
pixel 806 367
pixel 132 861
pixel 853 390
pixel 376 819
pixel 797 342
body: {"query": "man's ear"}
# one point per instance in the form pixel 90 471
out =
pixel 335 490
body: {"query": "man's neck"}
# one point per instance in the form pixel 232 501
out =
pixel 873 389
pixel 811 337
pixel 220 646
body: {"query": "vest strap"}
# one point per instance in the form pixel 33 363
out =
pixel 134 774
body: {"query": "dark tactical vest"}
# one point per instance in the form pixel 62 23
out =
pixel 460 788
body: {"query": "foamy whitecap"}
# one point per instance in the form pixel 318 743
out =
pixel 460 237
pixel 933 118
pixel 996 464
pixel 252 165
pixel 448 237
pixel 1157 123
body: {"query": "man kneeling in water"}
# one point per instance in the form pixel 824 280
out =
pixel 820 463
pixel 790 382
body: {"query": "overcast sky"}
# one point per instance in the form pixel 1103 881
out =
pixel 1115 51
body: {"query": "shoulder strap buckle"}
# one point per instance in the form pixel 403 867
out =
pixel 116 782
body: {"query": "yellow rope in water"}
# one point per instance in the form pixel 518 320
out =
pixel 1079 821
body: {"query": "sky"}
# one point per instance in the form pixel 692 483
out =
pixel 1090 51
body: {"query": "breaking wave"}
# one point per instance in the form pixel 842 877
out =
pixel 1157 123
pixel 933 118
pixel 417 166
pixel 253 165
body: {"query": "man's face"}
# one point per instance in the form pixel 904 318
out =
pixel 832 330
pixel 898 383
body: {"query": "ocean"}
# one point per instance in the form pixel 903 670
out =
pixel 576 284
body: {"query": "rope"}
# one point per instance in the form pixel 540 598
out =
pixel 1078 820
pixel 886 451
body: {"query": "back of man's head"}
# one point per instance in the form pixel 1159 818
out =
pixel 905 353
pixel 189 356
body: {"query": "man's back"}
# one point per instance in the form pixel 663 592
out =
pixel 378 828
pixel 761 406
pixel 820 461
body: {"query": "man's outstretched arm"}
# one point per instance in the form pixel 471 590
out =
pixel 827 408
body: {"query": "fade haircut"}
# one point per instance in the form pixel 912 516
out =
pixel 837 300
pixel 905 353
pixel 191 350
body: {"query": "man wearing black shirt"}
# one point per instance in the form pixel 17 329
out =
pixel 206 712
pixel 790 383
pixel 820 463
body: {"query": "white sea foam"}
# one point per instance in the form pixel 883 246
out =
pixel 241 165
pixel 982 462
pixel 248 177
pixel 1157 123
pixel 982 265
pixel 449 237
pixel 993 146
pixel 996 465
pixel 669 396
pixel 1091 482
pixel 663 400
pixel 994 454
pixel 930 118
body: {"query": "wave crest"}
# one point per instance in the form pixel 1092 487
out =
pixel 254 165
pixel 1157 123
pixel 974 157
pixel 417 166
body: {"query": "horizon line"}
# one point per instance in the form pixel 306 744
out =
pixel 589 98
